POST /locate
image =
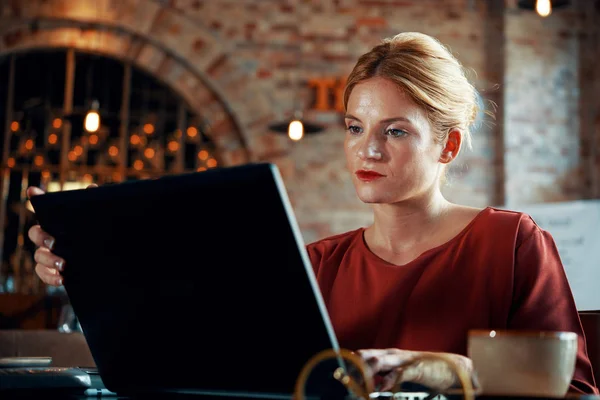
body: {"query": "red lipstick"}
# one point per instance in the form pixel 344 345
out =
pixel 368 176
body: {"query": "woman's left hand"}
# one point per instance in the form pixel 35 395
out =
pixel 390 364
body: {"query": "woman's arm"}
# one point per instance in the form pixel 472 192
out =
pixel 542 297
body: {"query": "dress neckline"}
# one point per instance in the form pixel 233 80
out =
pixel 438 248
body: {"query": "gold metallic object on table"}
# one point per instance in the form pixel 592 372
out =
pixel 362 391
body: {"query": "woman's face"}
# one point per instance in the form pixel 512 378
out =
pixel 390 146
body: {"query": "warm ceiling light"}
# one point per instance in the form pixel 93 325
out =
pixel 149 129
pixel 14 126
pixel 135 139
pixel 92 119
pixel 138 165
pixel 192 131
pixel 296 130
pixel 52 138
pixel 57 123
pixel 543 7
pixel 149 152
pixel 113 151
pixel 173 146
pixel 211 163
pixel 203 155
pixel 93 139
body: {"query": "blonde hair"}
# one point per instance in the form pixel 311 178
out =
pixel 429 74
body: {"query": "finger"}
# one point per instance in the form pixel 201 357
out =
pixel 371 357
pixel 34 191
pixel 411 373
pixel 93 185
pixel 386 360
pixel 390 380
pixel 45 257
pixel 433 374
pixel 370 353
pixel 48 275
pixel 40 238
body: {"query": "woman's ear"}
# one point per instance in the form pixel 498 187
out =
pixel 451 147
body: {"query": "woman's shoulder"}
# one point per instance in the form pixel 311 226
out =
pixel 337 239
pixel 333 244
pixel 503 221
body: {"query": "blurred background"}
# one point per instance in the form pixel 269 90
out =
pixel 110 90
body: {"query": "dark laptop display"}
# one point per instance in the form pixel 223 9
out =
pixel 198 281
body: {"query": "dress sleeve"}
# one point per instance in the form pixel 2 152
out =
pixel 315 253
pixel 542 297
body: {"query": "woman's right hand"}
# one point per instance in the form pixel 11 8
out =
pixel 48 265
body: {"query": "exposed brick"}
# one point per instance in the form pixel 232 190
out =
pixel 384 3
pixel 257 56
pixel 199 44
pixel 372 21
pixel 214 68
pixel 263 73
pixel 269 146
pixel 151 58
pixel 234 157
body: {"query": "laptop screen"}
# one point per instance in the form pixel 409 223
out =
pixel 197 281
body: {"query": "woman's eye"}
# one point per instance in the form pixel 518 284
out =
pixel 396 132
pixel 354 129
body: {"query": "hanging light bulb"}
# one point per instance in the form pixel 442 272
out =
pixel 543 7
pixel 296 130
pixel 92 119
pixel 296 127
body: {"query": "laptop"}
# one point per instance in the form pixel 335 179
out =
pixel 197 282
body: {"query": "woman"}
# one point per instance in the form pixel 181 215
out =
pixel 427 270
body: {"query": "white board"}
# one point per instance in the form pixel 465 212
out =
pixel 575 227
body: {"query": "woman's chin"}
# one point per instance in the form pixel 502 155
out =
pixel 370 197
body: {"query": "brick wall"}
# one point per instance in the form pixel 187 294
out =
pixel 286 42
pixel 257 56
pixel 549 104
pixel 529 66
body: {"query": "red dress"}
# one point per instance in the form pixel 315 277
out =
pixel 501 272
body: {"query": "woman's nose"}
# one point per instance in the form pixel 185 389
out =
pixel 370 149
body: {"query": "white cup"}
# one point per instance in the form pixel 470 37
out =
pixel 523 363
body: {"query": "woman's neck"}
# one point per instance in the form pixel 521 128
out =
pixel 402 226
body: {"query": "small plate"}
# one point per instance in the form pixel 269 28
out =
pixel 25 362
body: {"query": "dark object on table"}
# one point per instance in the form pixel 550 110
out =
pixel 66 349
pixel 43 378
